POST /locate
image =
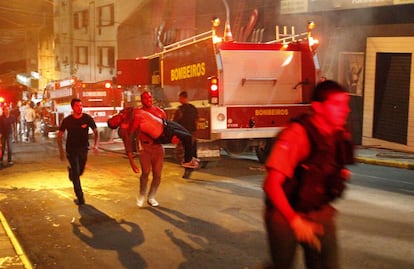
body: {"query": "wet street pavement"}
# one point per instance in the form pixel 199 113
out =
pixel 212 220
pixel 208 221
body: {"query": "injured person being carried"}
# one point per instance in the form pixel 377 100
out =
pixel 130 121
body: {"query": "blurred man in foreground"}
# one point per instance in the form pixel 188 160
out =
pixel 305 173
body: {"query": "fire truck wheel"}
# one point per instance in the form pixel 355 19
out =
pixel 263 149
pixel 203 164
pixel 44 129
pixel 236 146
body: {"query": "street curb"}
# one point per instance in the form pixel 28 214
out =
pixel 15 242
pixel 375 161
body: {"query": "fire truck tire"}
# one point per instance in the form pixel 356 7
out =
pixel 44 130
pixel 236 146
pixel 208 164
pixel 263 149
pixel 105 133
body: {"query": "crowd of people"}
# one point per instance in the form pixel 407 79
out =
pixel 18 123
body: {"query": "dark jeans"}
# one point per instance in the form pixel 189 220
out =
pixel 6 142
pixel 171 129
pixel 77 159
pixel 179 150
pixel 30 131
pixel 283 242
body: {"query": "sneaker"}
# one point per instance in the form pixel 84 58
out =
pixel 140 201
pixel 153 202
pixel 10 163
pixel 191 164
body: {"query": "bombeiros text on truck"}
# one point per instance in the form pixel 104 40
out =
pixel 245 92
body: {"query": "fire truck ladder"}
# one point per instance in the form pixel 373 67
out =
pixel 187 41
pixel 285 37
pixel 182 43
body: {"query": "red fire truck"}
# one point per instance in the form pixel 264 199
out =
pixel 245 92
pixel 99 99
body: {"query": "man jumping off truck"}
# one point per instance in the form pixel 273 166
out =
pixel 130 121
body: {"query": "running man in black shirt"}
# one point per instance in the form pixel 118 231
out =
pixel 77 143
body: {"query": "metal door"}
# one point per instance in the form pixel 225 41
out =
pixel 392 89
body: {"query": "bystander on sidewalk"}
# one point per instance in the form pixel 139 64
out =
pixel 12 255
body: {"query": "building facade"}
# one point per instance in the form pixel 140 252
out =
pixel 85 44
pixel 380 102
pixel 26 48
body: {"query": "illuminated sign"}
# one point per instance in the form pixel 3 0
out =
pixel 23 79
pixel 293 6
pixel 35 75
pixel 303 6
pixel 188 71
pixel 403 2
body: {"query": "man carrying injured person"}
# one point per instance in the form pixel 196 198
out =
pixel 133 120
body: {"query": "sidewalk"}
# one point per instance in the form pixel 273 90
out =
pixel 384 157
pixel 12 255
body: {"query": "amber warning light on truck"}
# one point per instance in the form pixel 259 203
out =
pixel 214 90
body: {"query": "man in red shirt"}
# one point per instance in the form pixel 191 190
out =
pixel 153 129
pixel 302 214
pixel 151 154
